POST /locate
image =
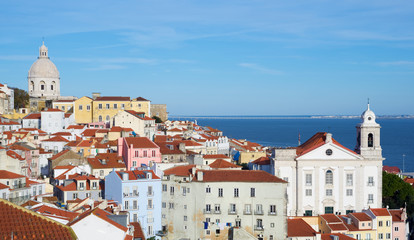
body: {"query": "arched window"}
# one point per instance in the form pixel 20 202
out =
pixel 107 118
pixel 370 140
pixel 52 87
pixel 100 118
pixel 31 86
pixel 42 86
pixel 329 177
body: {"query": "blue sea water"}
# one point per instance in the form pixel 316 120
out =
pixel 397 135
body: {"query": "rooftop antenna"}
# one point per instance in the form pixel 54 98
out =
pixel 368 103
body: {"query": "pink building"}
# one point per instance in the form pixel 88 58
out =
pixel 137 151
pixel 400 228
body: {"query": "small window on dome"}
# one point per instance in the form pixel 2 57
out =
pixel 369 118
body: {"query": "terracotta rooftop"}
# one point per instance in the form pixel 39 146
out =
pixel 14 155
pixel 4 174
pixel 220 163
pixel 61 153
pixel 50 211
pixel 89 132
pixel 184 170
pixel 106 160
pixel 140 142
pixel 102 214
pixel 3 186
pixel 299 228
pixel 380 211
pixel 33 116
pixel 391 169
pixel 138 231
pixel 76 127
pixel 215 156
pixel 52 110
pixel 396 215
pixel 238 176
pixel 56 139
pixel 361 216
pixel 329 236
pixel 262 161
pixel 316 141
pixel 26 224
pixel 331 218
pixel 112 98
pixel 141 99
pixel 338 226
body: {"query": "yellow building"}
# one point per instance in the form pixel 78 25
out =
pixel 103 109
pixel 83 110
pixel 383 222
pixel 248 151
pixel 64 105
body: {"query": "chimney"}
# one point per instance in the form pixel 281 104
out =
pixel 95 95
pixel 200 176
pixel 181 147
pixel 328 138
pixel 125 176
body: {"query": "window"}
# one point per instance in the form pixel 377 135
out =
pixel 370 198
pixel 107 106
pixel 217 208
pixel 95 184
pixel 349 179
pixel 208 208
pixel 259 209
pixel 185 218
pixel 308 192
pixel 370 140
pixel 208 189
pixel 126 205
pixel 136 154
pixel 380 236
pixel 107 118
pixel 368 236
pixel 134 163
pixel 100 106
pixel 150 206
pixel 145 153
pixel 388 235
pixel 247 209
pixel 75 195
pixel 272 210
pixel 236 192
pixel 207 232
pixel 308 179
pixel 329 210
pixel 370 181
pixel 80 107
pixel 252 192
pixel 42 87
pixel 349 192
pixel 164 205
pixel 100 118
pixel 122 106
pixel 153 153
pixel 135 217
pixel 396 229
pixel 184 191
pixel 51 87
pixel 220 192
pixel 358 236
pixel 388 223
pixel 164 187
pixel 308 213
pixel 171 190
pixel 232 208
pixel 134 204
pixel 88 107
pixel 329 177
pixel 171 205
pixel 380 223
pixel 115 106
pixel 150 192
pixel 328 192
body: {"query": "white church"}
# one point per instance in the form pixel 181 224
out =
pixel 326 177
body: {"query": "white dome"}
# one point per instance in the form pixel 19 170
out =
pixel 43 68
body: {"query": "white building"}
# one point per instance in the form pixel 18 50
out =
pixel 52 120
pixel 43 78
pixel 142 125
pixel 326 177
pixel 206 204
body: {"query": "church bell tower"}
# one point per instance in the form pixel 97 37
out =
pixel 368 136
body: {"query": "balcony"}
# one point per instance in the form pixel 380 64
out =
pixel 272 213
pixel 258 227
pixel 217 211
pixel 258 212
pixel 247 212
pixel 232 212
pixel 161 233
pixel 205 211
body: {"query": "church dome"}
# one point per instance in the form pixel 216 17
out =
pixel 368 117
pixel 43 67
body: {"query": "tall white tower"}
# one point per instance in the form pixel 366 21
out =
pixel 43 77
pixel 368 136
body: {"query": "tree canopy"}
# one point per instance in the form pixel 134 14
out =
pixel 21 98
pixel 396 193
pixel 157 119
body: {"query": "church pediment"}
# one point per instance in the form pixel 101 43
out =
pixel 330 151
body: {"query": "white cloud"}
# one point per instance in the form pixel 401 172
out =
pixel 260 68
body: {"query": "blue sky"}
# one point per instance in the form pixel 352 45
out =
pixel 221 57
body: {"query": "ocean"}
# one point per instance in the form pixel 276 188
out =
pixel 397 134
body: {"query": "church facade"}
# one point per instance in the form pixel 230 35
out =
pixel 326 177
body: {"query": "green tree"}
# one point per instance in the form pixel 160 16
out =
pixel 396 193
pixel 21 98
pixel 157 119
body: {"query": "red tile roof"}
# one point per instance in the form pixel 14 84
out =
pixel 89 132
pixel 328 236
pixel 215 156
pixel 52 110
pixel 337 227
pixel 8 123
pixel 113 98
pixel 33 116
pixel 138 231
pixel 361 216
pixel 184 170
pixel 141 99
pixel 137 174
pixel 396 215
pixel 390 169
pixel 4 174
pixel 56 139
pixel 238 176
pixel 409 180
pixel 140 142
pixel 299 228
pixel 14 155
pixel 59 154
pixel 262 161
pixel 76 127
pixel 316 141
pixel 25 224
pixel 380 211
pixel 2 186
pixel 51 212
pixel 220 163
pixel 169 148
pixel 112 160
pixel 61 134
pixel 331 218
